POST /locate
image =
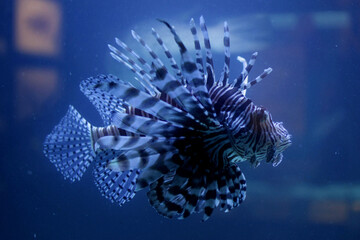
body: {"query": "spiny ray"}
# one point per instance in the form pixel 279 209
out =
pixel 209 61
pixel 258 79
pixel 199 60
pixel 125 143
pixel 192 74
pixel 143 101
pixel 224 79
pixel 140 159
pixel 246 70
pixel 147 126
pixel 128 62
pixel 170 57
pixel 157 60
pixel 167 83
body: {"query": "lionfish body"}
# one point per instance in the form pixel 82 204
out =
pixel 181 134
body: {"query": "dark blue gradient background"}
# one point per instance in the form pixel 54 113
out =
pixel 314 90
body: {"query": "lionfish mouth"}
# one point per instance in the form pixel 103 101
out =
pixel 275 157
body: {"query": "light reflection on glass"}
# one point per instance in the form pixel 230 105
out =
pixel 331 19
pixel 37 27
pixel 34 86
pixel 356 206
pixel 328 212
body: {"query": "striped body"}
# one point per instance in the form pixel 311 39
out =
pixel 182 133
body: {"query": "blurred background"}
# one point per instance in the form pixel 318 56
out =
pixel 48 47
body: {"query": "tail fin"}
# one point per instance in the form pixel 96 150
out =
pixel 69 145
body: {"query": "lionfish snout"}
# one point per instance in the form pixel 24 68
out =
pixel 283 141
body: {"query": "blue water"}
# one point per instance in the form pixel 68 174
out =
pixel 314 49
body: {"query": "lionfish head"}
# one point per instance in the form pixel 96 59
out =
pixel 281 143
pixel 276 138
pixel 265 141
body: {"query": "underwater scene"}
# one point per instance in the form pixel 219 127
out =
pixel 180 119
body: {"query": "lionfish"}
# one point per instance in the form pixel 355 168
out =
pixel 180 133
